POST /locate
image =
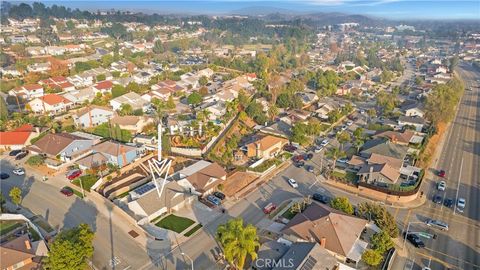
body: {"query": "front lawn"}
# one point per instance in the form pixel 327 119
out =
pixel 193 230
pixel 266 165
pixel 345 176
pixel 289 214
pixel 7 226
pixel 87 181
pixel 175 223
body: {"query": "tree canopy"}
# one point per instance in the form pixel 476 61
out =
pixel 238 241
pixel 71 249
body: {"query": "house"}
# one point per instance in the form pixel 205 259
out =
pixel 378 173
pixel 142 77
pixel 92 115
pixel 337 232
pixel 132 123
pixel 283 255
pixel 21 252
pixel 116 153
pixel 35 50
pixel 63 146
pixel 55 50
pixel 132 98
pixel 204 176
pixel 18 138
pixel 266 147
pixel 11 71
pixel 413 109
pixel 417 122
pixel 149 142
pixel 39 67
pixel 384 147
pixel 28 91
pixel 103 87
pixel 147 204
pixel 50 103
pixel 403 138
pixel 82 95
pixel 58 82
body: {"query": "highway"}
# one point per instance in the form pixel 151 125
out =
pixel 459 248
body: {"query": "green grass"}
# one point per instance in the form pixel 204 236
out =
pixel 193 230
pixel 87 181
pixel 78 193
pixel 43 224
pixel 266 165
pixel 35 235
pixel 347 176
pixel 289 214
pixel 7 226
pixel 175 223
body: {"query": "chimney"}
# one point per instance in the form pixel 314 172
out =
pixel 27 245
pixel 323 242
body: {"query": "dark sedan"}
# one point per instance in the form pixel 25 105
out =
pixel 437 199
pixel 415 240
pixel 4 175
pixel 448 203
pixel 321 198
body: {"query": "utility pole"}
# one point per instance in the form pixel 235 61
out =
pixel 159 131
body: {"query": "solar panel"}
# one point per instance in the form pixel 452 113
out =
pixel 144 189
pixel 309 263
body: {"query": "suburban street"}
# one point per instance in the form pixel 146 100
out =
pixel 459 248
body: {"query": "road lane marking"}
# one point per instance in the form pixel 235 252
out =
pixel 396 213
pixel 448 256
pixel 407 219
pixel 458 187
pixel 444 263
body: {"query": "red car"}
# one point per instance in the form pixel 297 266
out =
pixel 298 158
pixel 67 191
pixel 74 174
pixel 441 173
pixel 269 208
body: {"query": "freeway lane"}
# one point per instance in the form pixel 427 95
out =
pixel 459 248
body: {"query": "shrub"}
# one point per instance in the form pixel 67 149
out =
pixel 36 160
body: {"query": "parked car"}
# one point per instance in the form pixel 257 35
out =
pixel 4 175
pixel 299 164
pixel 298 158
pixel 219 195
pixel 214 200
pixel 448 202
pixel 292 182
pixel 269 208
pixel 289 148
pixel 415 240
pixel 461 205
pixel 309 168
pixel 14 153
pixel 441 185
pixel 362 111
pixel 344 127
pixel 73 174
pixel 321 198
pixel 324 143
pixel 349 123
pixel 19 171
pixel 342 160
pixel 21 155
pixel 318 149
pixel 437 224
pixel 308 156
pixel 441 173
pixel 67 191
pixel 437 199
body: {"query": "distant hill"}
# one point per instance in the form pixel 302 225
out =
pixel 264 11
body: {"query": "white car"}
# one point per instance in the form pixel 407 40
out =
pixel 318 149
pixel 442 186
pixel 292 182
pixel 362 111
pixel 324 143
pixel 349 123
pixel 19 171
pixel 461 205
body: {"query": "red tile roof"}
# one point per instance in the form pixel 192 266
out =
pixel 104 85
pixel 14 137
pixel 29 87
pixel 53 99
pixel 65 85
pixel 25 128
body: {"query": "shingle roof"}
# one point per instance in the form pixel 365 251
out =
pixel 14 137
pixel 385 169
pixel 403 137
pixel 409 119
pixel 112 148
pixel 267 142
pixel 54 143
pixel 340 230
pixel 383 147
pixel 104 85
pixel 173 194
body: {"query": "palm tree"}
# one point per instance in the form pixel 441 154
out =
pixel 334 154
pixel 358 143
pixel 342 138
pixel 238 241
pixel 272 111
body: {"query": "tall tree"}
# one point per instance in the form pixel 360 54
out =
pixel 335 154
pixel 71 249
pixel 238 242
pixel 342 204
pixel 15 195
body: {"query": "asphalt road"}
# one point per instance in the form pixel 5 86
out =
pixel 114 248
pixel 459 248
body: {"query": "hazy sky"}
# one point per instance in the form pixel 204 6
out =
pixel 395 9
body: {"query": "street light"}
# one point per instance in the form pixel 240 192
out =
pixel 185 255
